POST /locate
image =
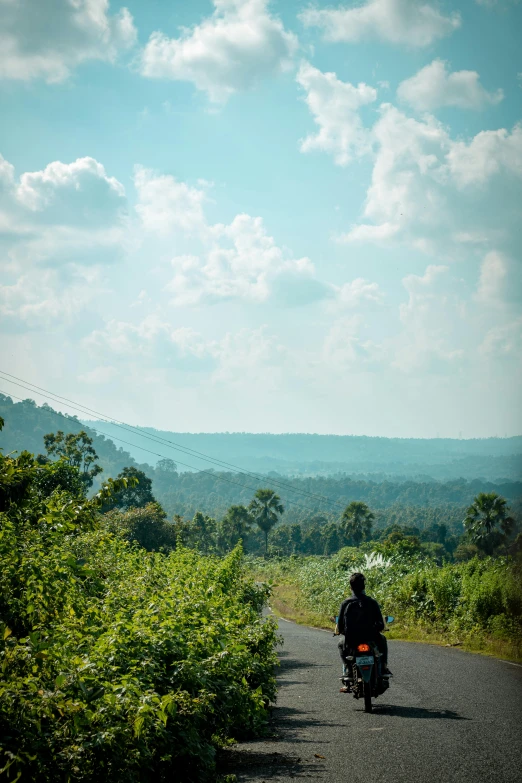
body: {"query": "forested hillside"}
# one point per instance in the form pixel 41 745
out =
pixel 308 454
pixel 312 500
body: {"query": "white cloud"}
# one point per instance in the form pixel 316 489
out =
pixel 78 193
pixel 165 204
pixel 44 298
pixel 435 86
pixel 406 22
pixel 46 40
pixel 58 227
pixel 335 106
pixel 344 349
pixel 432 319
pixel 489 153
pixel 231 50
pixel 249 357
pixel 242 262
pixel 64 214
pixel 152 341
pixel 493 278
pixel 424 186
pixel 359 291
pixel 504 341
pixel 235 358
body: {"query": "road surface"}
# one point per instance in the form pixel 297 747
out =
pixel 448 717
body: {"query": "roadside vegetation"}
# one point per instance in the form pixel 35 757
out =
pixel 475 605
pixel 118 663
pixel 131 642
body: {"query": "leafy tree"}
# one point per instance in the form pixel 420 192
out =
pixel 296 538
pixel 167 466
pixel 399 542
pixel 357 521
pixel 202 532
pixel 77 450
pixel 137 492
pixel 147 526
pixel 330 536
pixel 182 530
pixel 488 523
pixel 234 526
pixel 266 509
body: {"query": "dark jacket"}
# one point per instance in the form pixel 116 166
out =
pixel 360 619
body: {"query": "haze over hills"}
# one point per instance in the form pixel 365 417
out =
pixel 405 489
pixel 492 459
pixel 309 454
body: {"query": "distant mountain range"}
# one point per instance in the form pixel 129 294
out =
pixel 304 454
pixel 493 459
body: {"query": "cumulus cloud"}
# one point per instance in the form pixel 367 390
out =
pixel 424 186
pixel 46 40
pixel 165 203
pixel 493 277
pixel 231 50
pixel 58 228
pixel 67 213
pixel 248 357
pixel 432 319
pixel 359 291
pixel 335 106
pixel 489 153
pixel 504 341
pixel 242 262
pixel 45 298
pixel 406 22
pixel 435 86
pixel 344 348
pixel 153 341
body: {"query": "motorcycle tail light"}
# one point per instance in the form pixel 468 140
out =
pixel 363 648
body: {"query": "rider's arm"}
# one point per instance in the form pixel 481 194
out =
pixel 379 622
pixel 340 622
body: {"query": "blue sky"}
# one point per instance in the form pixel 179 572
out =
pixel 265 216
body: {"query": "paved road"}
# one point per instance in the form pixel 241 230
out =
pixel 448 716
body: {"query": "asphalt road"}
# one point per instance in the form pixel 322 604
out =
pixel 447 716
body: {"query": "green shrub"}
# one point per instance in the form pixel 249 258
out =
pixel 118 663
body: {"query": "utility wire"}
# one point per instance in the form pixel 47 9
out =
pixel 171 444
pixel 186 465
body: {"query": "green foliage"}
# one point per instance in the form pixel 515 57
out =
pixel 77 450
pixel 265 509
pixel 234 527
pixel 475 600
pixel 136 493
pixel 488 522
pixel 357 521
pixel 118 663
pixel 147 526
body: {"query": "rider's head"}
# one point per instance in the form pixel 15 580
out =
pixel 357 583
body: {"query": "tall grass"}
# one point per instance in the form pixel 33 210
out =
pixel 477 603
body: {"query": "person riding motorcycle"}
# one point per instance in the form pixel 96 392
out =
pixel 360 620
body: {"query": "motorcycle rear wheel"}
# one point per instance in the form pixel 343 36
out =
pixel 368 697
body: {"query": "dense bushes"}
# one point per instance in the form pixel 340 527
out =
pixel 479 599
pixel 118 663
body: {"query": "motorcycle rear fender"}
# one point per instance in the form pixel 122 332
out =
pixel 366 672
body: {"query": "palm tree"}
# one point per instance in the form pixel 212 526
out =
pixel 266 508
pixel 357 521
pixel 487 521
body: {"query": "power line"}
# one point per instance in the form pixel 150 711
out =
pixel 171 444
pixel 192 467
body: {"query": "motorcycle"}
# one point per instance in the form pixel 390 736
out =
pixel 363 676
